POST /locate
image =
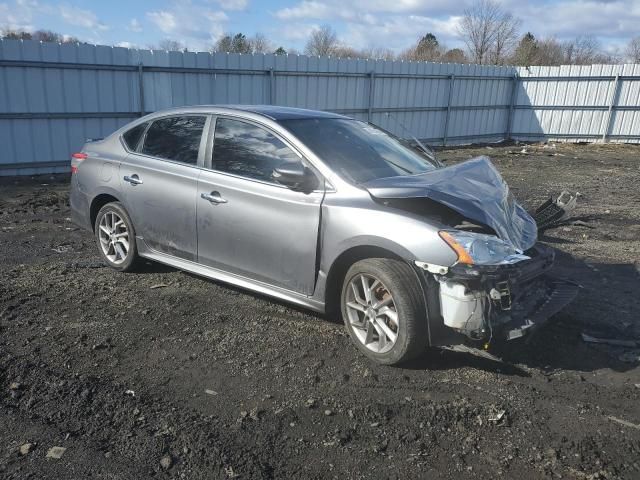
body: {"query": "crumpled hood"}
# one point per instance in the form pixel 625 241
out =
pixel 474 189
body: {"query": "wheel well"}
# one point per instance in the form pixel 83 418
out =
pixel 339 269
pixel 97 203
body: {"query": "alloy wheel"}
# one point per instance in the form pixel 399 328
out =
pixel 372 313
pixel 114 237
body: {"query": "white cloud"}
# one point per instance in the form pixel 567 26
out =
pixel 18 16
pixel 195 26
pixel 81 18
pixel 306 10
pixel 233 4
pixel 134 25
pixel 126 45
pixel 397 24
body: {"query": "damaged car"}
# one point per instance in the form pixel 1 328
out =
pixel 325 212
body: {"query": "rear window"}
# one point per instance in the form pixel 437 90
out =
pixel 132 137
pixel 175 138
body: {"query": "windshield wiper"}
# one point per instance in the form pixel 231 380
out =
pixel 428 151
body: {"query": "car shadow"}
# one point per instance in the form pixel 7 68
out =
pixel 604 307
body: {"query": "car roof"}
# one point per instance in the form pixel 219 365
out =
pixel 273 112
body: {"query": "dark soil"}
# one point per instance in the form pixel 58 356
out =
pixel 161 374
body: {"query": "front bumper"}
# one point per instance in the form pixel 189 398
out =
pixel 503 301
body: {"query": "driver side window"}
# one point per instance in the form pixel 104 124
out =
pixel 247 150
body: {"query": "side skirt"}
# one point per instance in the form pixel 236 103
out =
pixel 215 274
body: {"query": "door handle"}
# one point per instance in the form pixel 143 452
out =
pixel 213 197
pixel 133 179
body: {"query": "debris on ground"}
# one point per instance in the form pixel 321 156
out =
pixel 630 357
pixel 166 462
pixel 26 448
pixel 497 416
pixel 159 285
pixel 608 341
pixel 210 392
pixel 56 452
pixel 555 211
pixel 623 422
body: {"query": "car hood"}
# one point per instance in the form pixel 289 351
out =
pixel 474 189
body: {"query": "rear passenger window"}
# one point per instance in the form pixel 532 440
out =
pixel 132 137
pixel 249 151
pixel 175 138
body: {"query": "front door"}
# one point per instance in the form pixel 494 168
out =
pixel 160 184
pixel 248 224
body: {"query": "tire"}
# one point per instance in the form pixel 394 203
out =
pixel 394 279
pixel 112 254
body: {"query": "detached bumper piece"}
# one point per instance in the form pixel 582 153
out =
pixel 503 301
pixel 562 294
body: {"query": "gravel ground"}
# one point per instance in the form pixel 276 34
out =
pixel 162 374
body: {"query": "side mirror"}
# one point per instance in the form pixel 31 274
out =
pixel 295 176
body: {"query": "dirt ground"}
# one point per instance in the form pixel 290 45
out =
pixel 162 374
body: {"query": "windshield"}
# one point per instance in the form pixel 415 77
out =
pixel 356 150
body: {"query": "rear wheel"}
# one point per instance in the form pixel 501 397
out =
pixel 383 310
pixel 115 237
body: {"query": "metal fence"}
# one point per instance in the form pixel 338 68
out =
pixel 53 97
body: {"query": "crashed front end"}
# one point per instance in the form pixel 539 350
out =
pixel 501 285
pixel 503 301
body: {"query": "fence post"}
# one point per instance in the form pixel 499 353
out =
pixel 272 87
pixel 141 87
pixel 372 84
pixel 512 104
pixel 452 83
pixel 612 105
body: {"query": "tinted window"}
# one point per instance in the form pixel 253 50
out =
pixel 249 151
pixel 358 151
pixel 132 137
pixel 175 138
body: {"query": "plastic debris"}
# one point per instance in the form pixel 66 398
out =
pixel 553 212
pixel 608 341
pixel 623 422
pixel 56 452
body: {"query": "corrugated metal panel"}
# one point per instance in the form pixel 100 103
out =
pixel 48 109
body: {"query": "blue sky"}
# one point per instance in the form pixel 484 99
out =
pixel 393 24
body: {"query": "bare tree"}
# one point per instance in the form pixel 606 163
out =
pixel 455 55
pixel 260 44
pixel 12 34
pixel 633 50
pixel 549 52
pixel 582 51
pixel 506 39
pixel 322 42
pixel 378 53
pixel 488 31
pixel 171 46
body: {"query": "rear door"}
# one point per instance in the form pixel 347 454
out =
pixel 160 178
pixel 248 224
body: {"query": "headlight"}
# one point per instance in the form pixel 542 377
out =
pixel 479 249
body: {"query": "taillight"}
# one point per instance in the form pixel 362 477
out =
pixel 76 158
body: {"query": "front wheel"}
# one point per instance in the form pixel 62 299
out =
pixel 116 238
pixel 383 310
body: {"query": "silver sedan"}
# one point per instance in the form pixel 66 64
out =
pixel 326 212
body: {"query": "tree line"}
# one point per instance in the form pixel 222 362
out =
pixel 491 35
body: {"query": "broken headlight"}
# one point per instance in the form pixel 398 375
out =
pixel 480 249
